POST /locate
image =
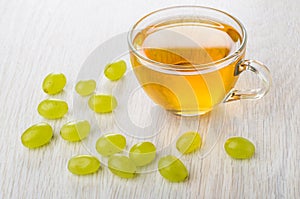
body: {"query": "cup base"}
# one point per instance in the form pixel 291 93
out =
pixel 188 113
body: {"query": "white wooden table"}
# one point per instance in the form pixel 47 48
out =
pixel 38 37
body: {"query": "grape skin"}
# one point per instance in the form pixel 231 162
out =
pixel 121 166
pixel 102 103
pixel 52 108
pixel 115 71
pixel 37 135
pixel 75 131
pixel 142 153
pixel 85 87
pixel 83 164
pixel 172 169
pixel 239 148
pixel 110 144
pixel 188 142
pixel 54 83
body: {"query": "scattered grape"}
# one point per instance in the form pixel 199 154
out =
pixel 142 153
pixel 115 71
pixel 110 144
pixel 102 103
pixel 172 169
pixel 239 148
pixel 54 83
pixel 86 87
pixel 75 131
pixel 188 142
pixel 37 135
pixel 83 164
pixel 121 166
pixel 53 108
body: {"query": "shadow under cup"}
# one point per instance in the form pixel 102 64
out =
pixel 188 59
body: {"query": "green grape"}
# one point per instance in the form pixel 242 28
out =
pixel 102 103
pixel 54 83
pixel 75 131
pixel 53 108
pixel 86 87
pixel 142 153
pixel 172 169
pixel 239 148
pixel 121 166
pixel 83 164
pixel 189 142
pixel 37 135
pixel 115 71
pixel 110 144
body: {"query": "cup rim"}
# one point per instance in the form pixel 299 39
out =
pixel 207 66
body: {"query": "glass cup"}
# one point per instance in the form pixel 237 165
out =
pixel 189 58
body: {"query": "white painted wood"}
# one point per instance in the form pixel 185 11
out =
pixel 39 37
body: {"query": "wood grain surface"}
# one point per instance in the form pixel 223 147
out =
pixel 42 36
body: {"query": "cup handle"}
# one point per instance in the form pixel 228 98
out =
pixel 264 75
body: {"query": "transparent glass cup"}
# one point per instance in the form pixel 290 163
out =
pixel 190 79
